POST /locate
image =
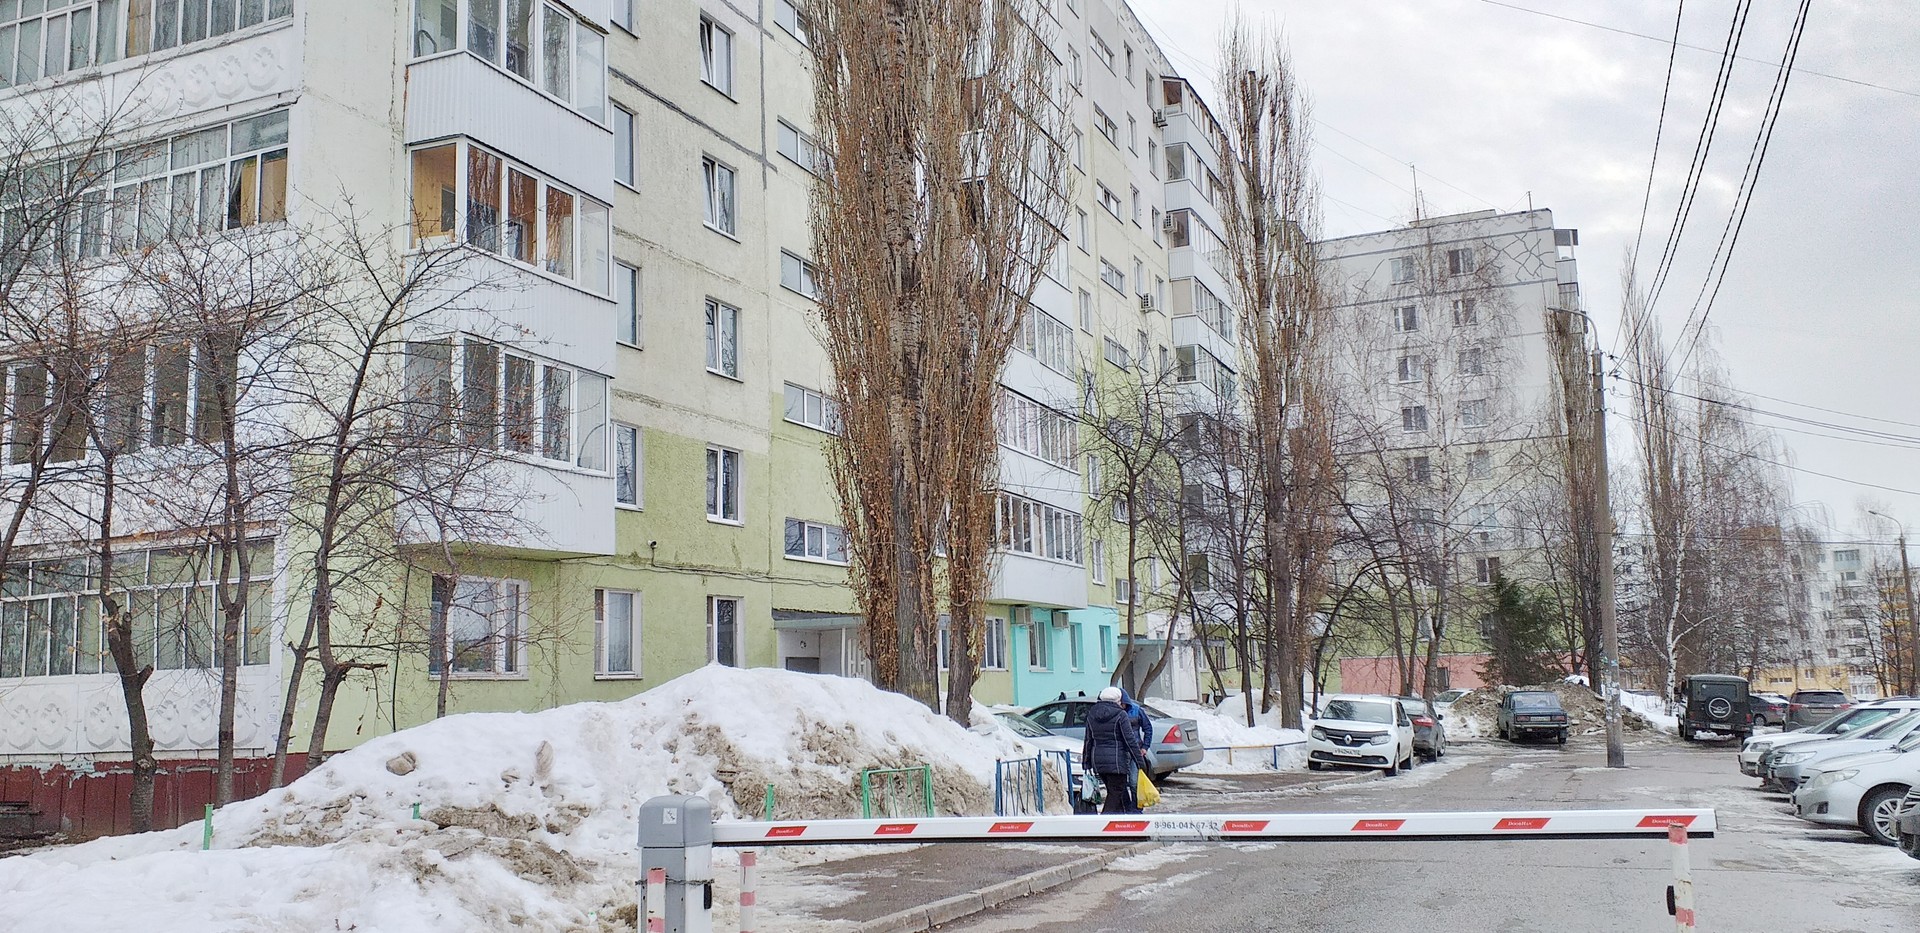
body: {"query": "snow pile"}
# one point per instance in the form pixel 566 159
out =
pixel 1652 708
pixel 1477 713
pixel 527 819
pixel 1227 726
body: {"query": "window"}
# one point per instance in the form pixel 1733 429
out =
pixel 501 212
pixel 1102 51
pixel 1199 572
pixel 1079 150
pixel 50 623
pixel 1153 158
pixel 1486 569
pixel 723 630
pixel 1141 356
pixel 1401 269
pixel 1139 275
pixel 1413 418
pixel 1093 474
pixel 1406 319
pixel 790 19
pixel 626 299
pixel 944 647
pixel 1036 430
pixel 1076 653
pixel 477 627
pixel 1046 339
pixel 1473 361
pixel 592 419
pixel 622 14
pixel 1129 52
pixel 1115 353
pixel 1155 226
pixel 798 275
pixel 1212 311
pixel 626 465
pixel 1419 469
pixel 718 179
pixel 1086 392
pixel 716 56
pixel 1479 465
pixel 1460 261
pixel 723 485
pixel 993 648
pixel 1122 511
pixel 1486 524
pixel 1111 274
pixel 1024 526
pixel 815 541
pixel 1106 647
pixel 723 339
pixel 1082 236
pixel 1123 591
pixel 223 177
pixel 49 42
pixel 1039 642
pixel 1473 413
pixel 1133 135
pixel 812 409
pixel 1464 311
pixel 1109 201
pixel 1085 302
pixel 1097 560
pixel 509 401
pixel 1105 125
pixel 616 632
pixel 1410 368
pixel 571 61
pixel 623 146
pixel 798 147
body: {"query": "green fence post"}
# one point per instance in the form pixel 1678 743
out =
pixel 416 810
pixel 206 835
pixel 866 795
pixel 927 773
pixel 768 809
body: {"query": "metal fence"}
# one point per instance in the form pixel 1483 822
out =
pixel 893 793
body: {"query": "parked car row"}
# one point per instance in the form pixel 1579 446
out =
pixel 1858 767
pixel 1371 731
pixel 1176 742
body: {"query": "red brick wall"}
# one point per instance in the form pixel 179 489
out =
pixel 1381 674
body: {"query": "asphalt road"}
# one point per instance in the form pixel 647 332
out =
pixel 1765 870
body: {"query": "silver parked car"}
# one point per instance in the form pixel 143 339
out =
pixel 1787 766
pixel 1176 742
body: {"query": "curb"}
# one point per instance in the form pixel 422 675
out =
pixel 947 910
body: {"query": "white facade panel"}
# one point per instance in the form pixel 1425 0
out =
pixel 457 94
pixel 1035 582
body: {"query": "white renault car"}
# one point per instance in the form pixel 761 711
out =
pixel 1859 717
pixel 1362 732
pixel 1862 791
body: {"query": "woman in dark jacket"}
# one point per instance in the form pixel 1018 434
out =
pixel 1112 750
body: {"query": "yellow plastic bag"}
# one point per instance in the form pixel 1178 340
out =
pixel 1144 793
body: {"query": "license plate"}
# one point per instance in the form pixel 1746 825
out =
pixel 1720 725
pixel 1348 754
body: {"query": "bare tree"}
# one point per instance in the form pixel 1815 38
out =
pixel 938 211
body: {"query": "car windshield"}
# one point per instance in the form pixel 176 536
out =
pixel 1154 713
pixel 1414 706
pixel 1911 742
pixel 1891 728
pixel 1450 696
pixel 1021 725
pixel 1536 701
pixel 1717 688
pixel 1358 711
pixel 1822 697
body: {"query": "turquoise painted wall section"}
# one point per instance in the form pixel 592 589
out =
pixel 1098 648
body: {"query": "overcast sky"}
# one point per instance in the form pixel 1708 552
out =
pixel 1495 104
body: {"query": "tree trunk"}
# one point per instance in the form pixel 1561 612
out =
pixel 133 679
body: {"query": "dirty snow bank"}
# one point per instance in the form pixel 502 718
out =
pixel 1476 714
pixel 1227 726
pixel 527 819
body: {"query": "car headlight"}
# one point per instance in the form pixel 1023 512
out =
pixel 1825 778
pixel 1380 740
pixel 1318 733
pixel 1792 758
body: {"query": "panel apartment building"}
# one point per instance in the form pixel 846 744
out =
pixel 1447 390
pixel 638 174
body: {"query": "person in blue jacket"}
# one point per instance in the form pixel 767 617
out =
pixel 1111 749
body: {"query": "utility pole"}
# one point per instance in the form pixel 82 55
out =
pixel 1609 619
pixel 1913 613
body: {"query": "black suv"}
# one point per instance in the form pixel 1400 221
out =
pixel 1715 703
pixel 1807 707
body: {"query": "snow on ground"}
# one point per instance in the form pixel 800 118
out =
pixel 527 818
pixel 1655 709
pixel 1227 727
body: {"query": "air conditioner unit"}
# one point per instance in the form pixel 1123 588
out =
pixel 1166 224
pixel 1060 619
pixel 1023 615
pixel 1146 302
pixel 1159 117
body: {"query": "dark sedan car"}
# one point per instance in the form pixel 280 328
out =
pixel 1429 736
pixel 1531 712
pixel 1769 709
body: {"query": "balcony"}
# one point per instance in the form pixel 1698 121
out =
pixel 457 94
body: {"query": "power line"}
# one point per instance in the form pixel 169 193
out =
pixel 1774 462
pixel 1749 180
pixel 1641 35
pixel 1659 128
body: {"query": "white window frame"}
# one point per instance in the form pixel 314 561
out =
pixel 722 339
pixel 1105 633
pixel 1410 369
pixel 716 55
pixel 1414 419
pixel 798 147
pixel 603 601
pixel 713 630
pixel 621 14
pixel 724 501
pixel 807 531
pixel 805 277
pixel 1400 269
pixel 1474 413
pixel 993 644
pixel 624 162
pixel 721 186
pixel 1097 561
pixel 509 661
pixel 790 19
pixel 636 468
pixel 1039 641
pixel 1406 319
pixel 806 401
pixel 626 301
pixel 1086 310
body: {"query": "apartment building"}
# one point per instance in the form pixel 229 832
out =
pixel 633 182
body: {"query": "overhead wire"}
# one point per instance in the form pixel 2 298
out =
pixel 1659 128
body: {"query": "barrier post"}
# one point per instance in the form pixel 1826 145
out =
pixel 676 844
pixel 1682 879
pixel 749 883
pixel 206 836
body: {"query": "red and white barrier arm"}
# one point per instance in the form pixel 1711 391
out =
pixel 1237 827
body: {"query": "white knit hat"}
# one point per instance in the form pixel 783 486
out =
pixel 1111 694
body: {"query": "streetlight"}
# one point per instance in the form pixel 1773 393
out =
pixel 1913 618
